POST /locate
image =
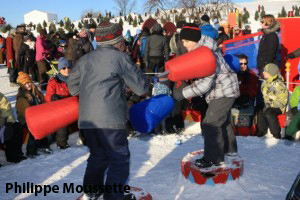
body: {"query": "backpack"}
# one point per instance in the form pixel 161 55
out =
pixel 143 46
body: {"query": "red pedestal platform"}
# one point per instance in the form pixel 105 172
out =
pixel 140 194
pixel 244 130
pixel 232 170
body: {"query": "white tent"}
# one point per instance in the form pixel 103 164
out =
pixel 37 16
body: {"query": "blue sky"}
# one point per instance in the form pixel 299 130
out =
pixel 14 10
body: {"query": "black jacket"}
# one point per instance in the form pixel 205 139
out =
pixel 156 47
pixel 222 37
pixel 268 47
pixel 82 47
pixel 26 56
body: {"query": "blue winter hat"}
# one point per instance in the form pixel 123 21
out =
pixel 62 62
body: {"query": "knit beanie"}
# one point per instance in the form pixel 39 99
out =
pixel 271 69
pixel 108 33
pixel 62 62
pixel 23 78
pixel 190 32
pixel 205 18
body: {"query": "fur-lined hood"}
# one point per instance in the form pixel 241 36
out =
pixel 272 28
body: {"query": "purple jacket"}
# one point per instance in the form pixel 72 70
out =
pixel 40 48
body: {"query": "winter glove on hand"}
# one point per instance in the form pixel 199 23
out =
pixel 290 56
pixel 177 93
pixel 56 97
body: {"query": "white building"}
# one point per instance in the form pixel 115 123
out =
pixel 37 16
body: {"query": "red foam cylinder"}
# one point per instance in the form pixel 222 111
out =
pixel 45 119
pixel 198 63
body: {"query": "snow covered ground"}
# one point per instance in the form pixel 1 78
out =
pixel 270 166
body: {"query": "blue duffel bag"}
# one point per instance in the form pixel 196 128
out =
pixel 148 114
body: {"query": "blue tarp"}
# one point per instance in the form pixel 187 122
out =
pixel 249 47
pixel 148 114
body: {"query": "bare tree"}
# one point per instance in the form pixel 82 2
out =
pixel 125 6
pixel 190 6
pixel 89 13
pixel 162 5
pixel 212 6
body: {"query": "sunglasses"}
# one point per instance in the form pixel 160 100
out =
pixel 64 68
pixel 243 63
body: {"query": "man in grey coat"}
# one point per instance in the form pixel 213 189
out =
pixel 99 78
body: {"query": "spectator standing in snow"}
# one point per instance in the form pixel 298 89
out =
pixel 91 28
pixel 269 43
pixel 29 95
pixel 220 89
pixel 275 95
pixel 10 59
pixel 143 43
pixel 42 51
pixel 82 47
pixel 157 50
pixel 71 43
pixel 216 24
pixel 26 58
pixel 100 78
pixel 11 133
pixel 57 89
pixel 17 41
pixel 207 29
pixel 136 54
pixel 222 37
pixel 247 30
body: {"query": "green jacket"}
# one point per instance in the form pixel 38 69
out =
pixel 295 97
pixel 275 93
pixel 6 113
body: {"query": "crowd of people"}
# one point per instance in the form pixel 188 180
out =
pixel 111 71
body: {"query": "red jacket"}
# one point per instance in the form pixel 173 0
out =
pixel 248 83
pixel 10 54
pixel 56 86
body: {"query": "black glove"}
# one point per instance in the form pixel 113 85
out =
pixel 56 97
pixel 177 92
pixel 290 56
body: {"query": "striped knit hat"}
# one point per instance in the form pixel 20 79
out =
pixel 23 78
pixel 108 33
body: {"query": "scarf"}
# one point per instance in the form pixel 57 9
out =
pixel 62 77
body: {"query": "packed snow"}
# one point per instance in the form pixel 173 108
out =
pixel 270 166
